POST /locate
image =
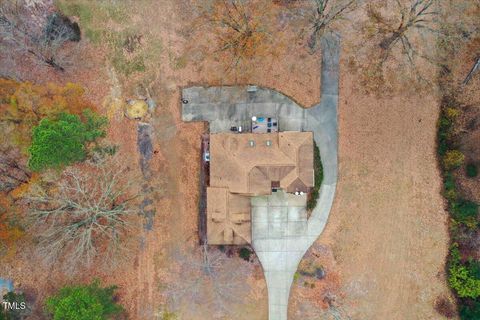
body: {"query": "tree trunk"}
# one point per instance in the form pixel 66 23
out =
pixel 473 71
pixel 387 42
pixel 312 40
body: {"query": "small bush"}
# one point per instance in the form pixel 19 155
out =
pixel 453 159
pixel 452 113
pixel 245 254
pixel 449 182
pixel 474 268
pixel 166 315
pixel 471 170
pixel 449 187
pixel 460 276
pixel 318 172
pixel 465 211
pixel 444 133
pixel 84 303
pixel 296 276
pixel 470 311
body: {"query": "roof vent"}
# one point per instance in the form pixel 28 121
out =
pixel 251 143
pixel 268 143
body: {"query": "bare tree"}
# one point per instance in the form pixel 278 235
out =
pixel 239 27
pixel 30 29
pixel 324 14
pixel 209 278
pixel 460 29
pixel 418 17
pixel 84 215
pixel 13 169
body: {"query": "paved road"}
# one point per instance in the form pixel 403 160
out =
pixel 281 233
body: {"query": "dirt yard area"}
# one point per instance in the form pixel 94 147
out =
pixel 384 246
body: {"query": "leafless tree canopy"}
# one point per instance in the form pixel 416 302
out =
pixel 326 12
pixel 419 17
pixel 13 170
pixel 209 278
pixel 84 215
pixel 239 27
pixel 32 30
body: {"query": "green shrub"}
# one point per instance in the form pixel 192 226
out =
pixel 464 211
pixel 62 141
pixel 461 278
pixel 318 172
pixel 471 170
pixel 453 159
pixel 470 311
pixel 474 268
pixel 245 254
pixel 94 125
pixel 296 276
pixel 449 182
pixel 444 132
pixel 463 283
pixel 89 302
pixel 449 187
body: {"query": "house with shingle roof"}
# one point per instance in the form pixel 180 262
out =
pixel 252 164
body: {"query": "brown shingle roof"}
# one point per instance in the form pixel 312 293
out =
pixel 242 165
pixel 245 164
pixel 228 217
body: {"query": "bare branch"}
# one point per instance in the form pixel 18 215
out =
pixel 85 214
pixel 33 31
pixel 473 71
pixel 209 278
pixel 238 27
pixel 324 15
pixel 13 169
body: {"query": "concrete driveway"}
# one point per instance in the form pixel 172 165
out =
pixel 225 107
pixel 281 233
